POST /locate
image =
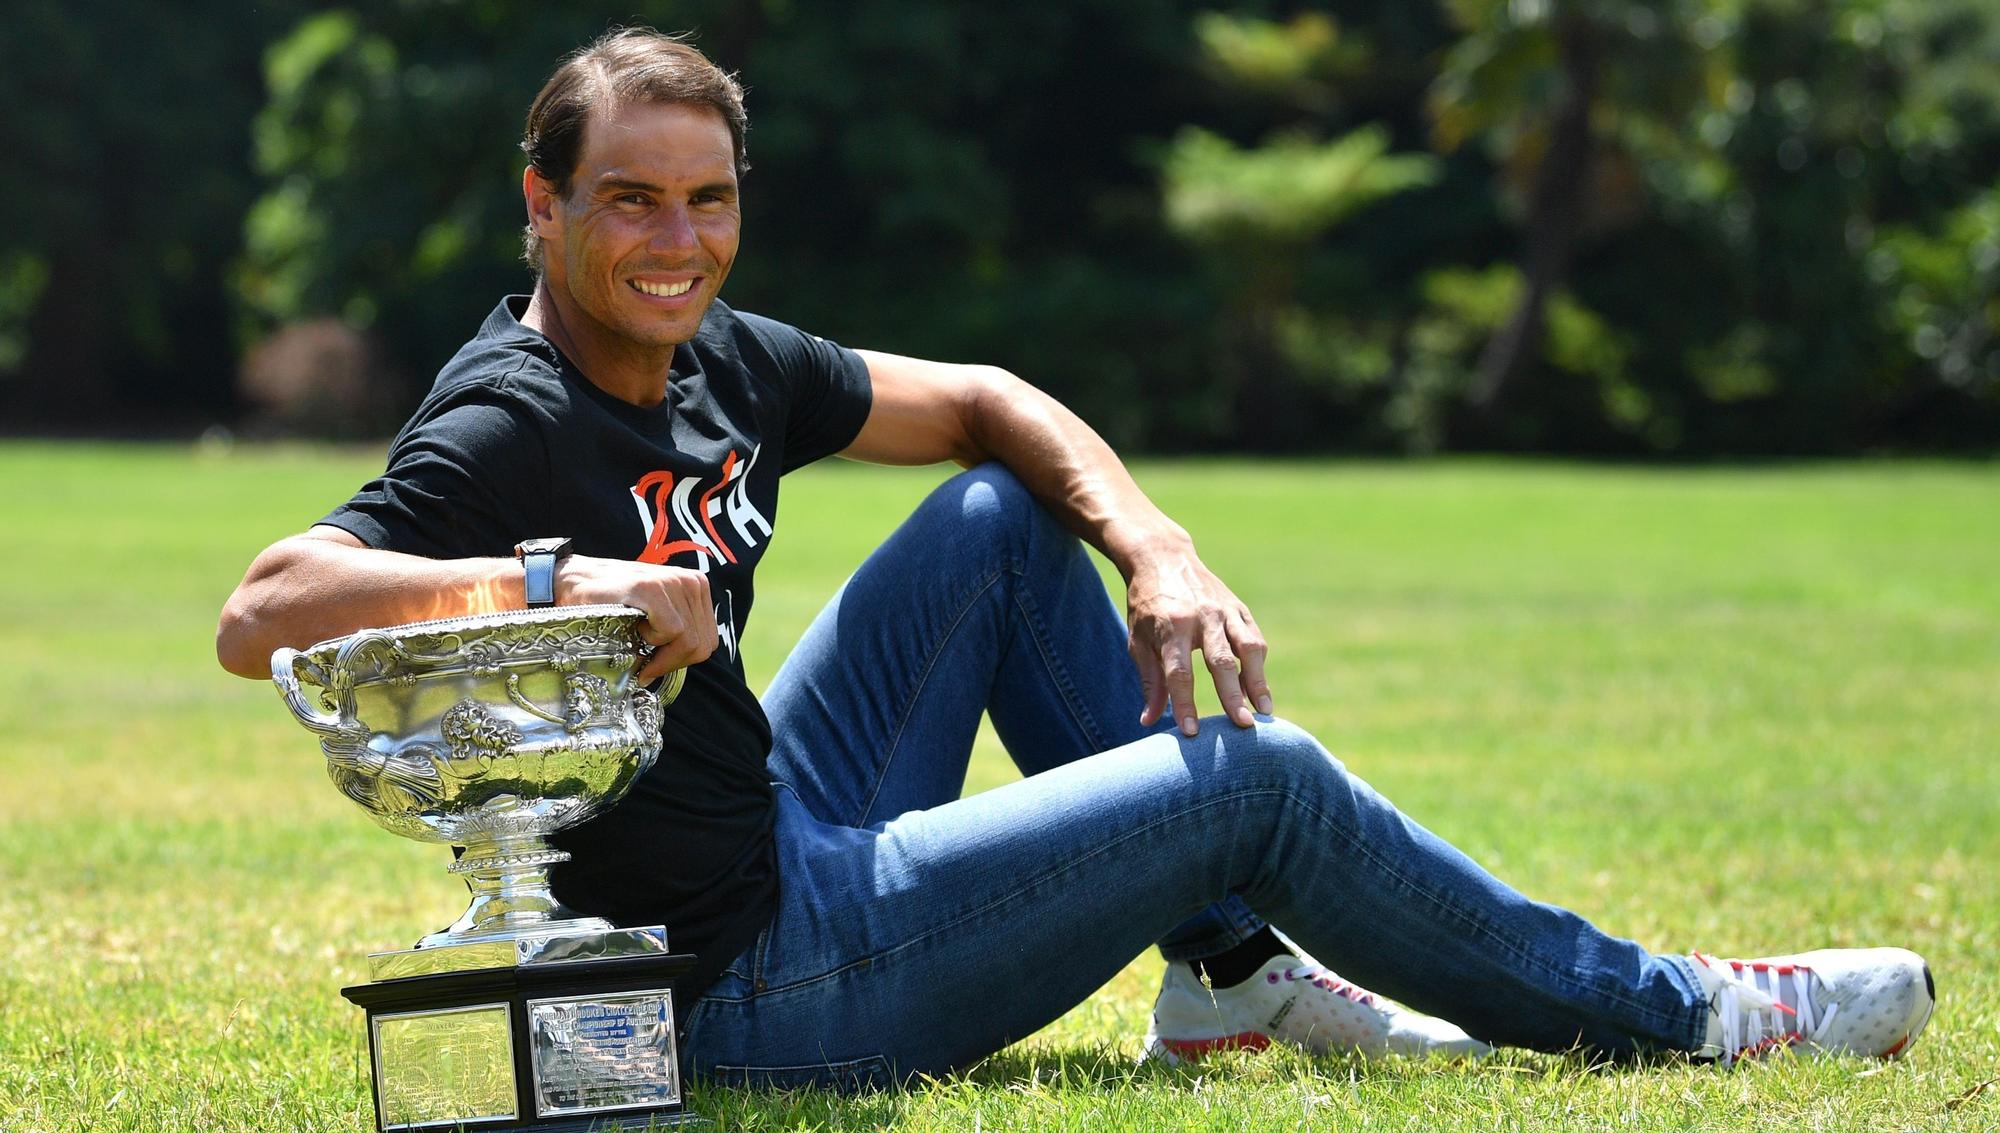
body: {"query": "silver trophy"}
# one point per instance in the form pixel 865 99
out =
pixel 490 732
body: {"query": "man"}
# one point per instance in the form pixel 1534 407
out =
pixel 856 920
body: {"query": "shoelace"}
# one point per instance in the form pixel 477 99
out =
pixel 1326 980
pixel 1751 1014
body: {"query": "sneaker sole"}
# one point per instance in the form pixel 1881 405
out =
pixel 1196 1048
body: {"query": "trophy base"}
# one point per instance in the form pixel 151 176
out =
pixel 550 1046
pixel 557 942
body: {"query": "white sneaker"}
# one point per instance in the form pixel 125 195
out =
pixel 1296 1002
pixel 1871 1002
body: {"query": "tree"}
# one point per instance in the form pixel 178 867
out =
pixel 950 180
pixel 1260 212
pixel 129 178
pixel 1555 86
pixel 1809 219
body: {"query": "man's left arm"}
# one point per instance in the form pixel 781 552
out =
pixel 925 412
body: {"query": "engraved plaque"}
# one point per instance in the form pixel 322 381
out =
pixel 444 1067
pixel 594 1053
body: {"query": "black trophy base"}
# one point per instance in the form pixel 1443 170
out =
pixel 573 1047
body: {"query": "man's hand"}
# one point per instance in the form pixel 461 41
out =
pixel 1177 607
pixel 680 617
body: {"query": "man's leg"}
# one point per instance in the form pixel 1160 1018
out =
pixel 930 940
pixel 958 928
pixel 982 602
pixel 979 602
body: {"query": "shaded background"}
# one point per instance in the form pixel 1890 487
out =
pixel 1612 227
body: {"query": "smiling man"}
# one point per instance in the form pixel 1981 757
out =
pixel 856 920
pixel 645 222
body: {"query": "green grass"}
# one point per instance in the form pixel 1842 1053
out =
pixel 1744 710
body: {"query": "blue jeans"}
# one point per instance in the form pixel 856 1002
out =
pixel 917 931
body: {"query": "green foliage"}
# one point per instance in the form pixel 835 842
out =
pixel 1733 368
pixel 1503 77
pixel 1829 162
pixel 384 143
pixel 1420 369
pixel 1297 62
pixel 1204 229
pixel 1759 168
pixel 1945 290
pixel 23 275
pixel 1290 190
pixel 125 143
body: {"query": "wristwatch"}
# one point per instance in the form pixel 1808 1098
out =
pixel 538 558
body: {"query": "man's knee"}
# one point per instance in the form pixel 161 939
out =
pixel 992 506
pixel 988 493
pixel 1276 752
pixel 1272 776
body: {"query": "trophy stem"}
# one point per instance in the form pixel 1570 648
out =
pixel 511 898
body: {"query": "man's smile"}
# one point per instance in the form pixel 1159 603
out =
pixel 661 290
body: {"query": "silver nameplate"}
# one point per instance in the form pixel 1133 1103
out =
pixel 449 1067
pixel 599 1053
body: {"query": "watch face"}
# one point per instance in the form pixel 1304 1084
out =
pixel 544 546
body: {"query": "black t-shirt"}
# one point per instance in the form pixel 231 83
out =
pixel 514 443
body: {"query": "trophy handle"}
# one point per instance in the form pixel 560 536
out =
pixel 284 674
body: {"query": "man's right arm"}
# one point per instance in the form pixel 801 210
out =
pixel 326 583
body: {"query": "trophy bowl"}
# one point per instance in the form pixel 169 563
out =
pixel 487 731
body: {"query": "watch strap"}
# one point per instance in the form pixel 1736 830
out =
pixel 538 565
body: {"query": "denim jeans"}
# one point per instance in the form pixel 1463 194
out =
pixel 917 931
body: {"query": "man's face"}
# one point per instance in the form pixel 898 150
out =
pixel 647 234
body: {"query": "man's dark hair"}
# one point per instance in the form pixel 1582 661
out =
pixel 624 66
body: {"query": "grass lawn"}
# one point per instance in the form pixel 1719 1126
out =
pixel 1743 710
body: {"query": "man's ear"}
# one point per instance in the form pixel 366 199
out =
pixel 541 199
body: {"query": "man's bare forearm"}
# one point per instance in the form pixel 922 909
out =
pixel 325 583
pixel 1175 606
pixel 319 585
pixel 1077 476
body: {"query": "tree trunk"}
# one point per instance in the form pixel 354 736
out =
pixel 1554 211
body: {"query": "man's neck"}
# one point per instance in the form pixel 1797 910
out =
pixel 625 370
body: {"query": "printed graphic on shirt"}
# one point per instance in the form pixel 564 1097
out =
pixel 680 515
pixel 725 623
pixel 701 525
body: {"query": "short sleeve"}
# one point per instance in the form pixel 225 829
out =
pixel 829 390
pixel 466 478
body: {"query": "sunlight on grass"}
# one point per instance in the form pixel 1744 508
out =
pixel 1745 710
